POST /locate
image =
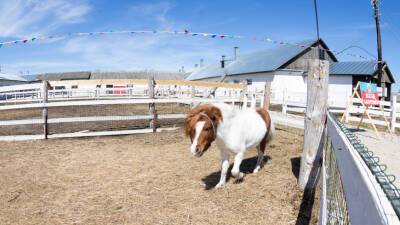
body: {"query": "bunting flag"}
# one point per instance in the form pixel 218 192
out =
pixel 184 32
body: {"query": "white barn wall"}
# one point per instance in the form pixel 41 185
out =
pixel 340 88
pixel 293 84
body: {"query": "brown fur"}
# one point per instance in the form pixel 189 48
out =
pixel 267 119
pixel 207 136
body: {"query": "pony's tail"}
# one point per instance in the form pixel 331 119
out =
pixel 271 131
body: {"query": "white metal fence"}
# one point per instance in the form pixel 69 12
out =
pixel 355 187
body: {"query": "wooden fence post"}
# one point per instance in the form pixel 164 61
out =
pixel 243 96
pixel 267 95
pixel 45 88
pixel 284 104
pixel 253 101
pixel 393 113
pixel 152 106
pixel 314 121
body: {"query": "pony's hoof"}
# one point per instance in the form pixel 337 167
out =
pixel 238 176
pixel 220 185
pixel 256 169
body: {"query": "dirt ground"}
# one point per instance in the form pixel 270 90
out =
pixel 146 179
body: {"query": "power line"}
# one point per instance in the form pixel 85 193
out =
pixel 356 46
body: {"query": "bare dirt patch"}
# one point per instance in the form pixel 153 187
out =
pixel 144 179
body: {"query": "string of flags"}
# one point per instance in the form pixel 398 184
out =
pixel 184 32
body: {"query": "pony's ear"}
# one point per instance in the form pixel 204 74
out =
pixel 215 114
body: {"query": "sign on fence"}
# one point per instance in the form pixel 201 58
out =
pixel 369 94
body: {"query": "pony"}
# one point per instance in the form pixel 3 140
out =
pixel 234 131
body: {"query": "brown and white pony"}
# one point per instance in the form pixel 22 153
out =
pixel 234 131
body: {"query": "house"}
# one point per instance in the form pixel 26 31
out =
pixel 11 79
pixel 286 66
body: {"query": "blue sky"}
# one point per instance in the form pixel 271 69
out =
pixel 342 23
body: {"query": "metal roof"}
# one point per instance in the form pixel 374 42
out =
pixel 64 76
pixel 260 61
pixel 158 75
pixel 353 68
pixel 6 76
pixel 358 68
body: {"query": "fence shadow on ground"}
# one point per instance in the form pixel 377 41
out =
pixel 305 215
pixel 246 167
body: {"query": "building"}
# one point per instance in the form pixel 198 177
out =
pixel 11 79
pixel 286 66
pixel 111 76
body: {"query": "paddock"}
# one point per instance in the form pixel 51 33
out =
pixel 145 179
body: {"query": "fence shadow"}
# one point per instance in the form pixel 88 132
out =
pixel 305 215
pixel 246 167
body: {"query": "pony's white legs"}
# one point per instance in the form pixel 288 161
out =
pixel 224 169
pixel 236 166
pixel 259 159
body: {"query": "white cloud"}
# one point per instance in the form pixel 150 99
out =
pixel 139 52
pixel 29 17
pixel 156 11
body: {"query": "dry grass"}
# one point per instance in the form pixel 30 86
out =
pixel 144 179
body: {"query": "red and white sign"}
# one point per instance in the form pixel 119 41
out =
pixel 369 94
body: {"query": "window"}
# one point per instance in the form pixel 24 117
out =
pixel 321 53
pixel 74 87
pixel 98 86
pixel 249 81
pixel 109 86
pixel 236 81
pixel 59 87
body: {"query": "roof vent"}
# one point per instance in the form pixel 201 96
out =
pixel 223 61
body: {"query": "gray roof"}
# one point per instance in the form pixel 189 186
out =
pixel 261 61
pixel 158 75
pixel 64 76
pixel 353 68
pixel 358 68
pixel 6 76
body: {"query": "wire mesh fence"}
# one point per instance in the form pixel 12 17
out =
pixel 336 206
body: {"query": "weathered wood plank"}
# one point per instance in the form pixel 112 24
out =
pixel 315 118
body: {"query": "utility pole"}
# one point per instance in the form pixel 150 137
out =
pixel 378 39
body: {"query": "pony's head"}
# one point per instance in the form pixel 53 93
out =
pixel 201 126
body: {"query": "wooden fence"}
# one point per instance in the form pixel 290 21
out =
pixel 152 94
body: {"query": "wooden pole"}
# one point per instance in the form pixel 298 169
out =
pixel 315 119
pixel 152 106
pixel 45 110
pixel 350 103
pixel 267 95
pixel 393 113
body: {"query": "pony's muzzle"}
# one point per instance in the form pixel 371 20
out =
pixel 198 152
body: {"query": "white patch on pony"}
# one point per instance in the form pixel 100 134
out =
pixel 199 127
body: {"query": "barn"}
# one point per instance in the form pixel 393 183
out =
pixel 11 79
pixel 286 65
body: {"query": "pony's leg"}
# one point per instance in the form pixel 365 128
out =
pixel 259 159
pixel 224 169
pixel 260 150
pixel 236 166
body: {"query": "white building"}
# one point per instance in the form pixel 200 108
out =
pixel 286 67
